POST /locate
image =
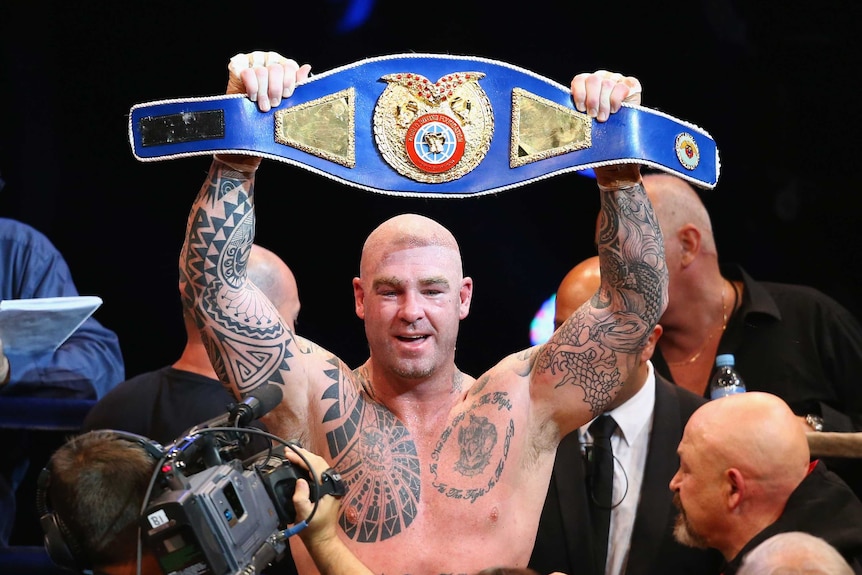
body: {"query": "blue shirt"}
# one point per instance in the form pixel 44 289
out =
pixel 90 362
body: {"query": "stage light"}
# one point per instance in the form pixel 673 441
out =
pixel 542 326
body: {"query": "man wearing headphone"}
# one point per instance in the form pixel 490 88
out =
pixel 90 497
pixel 91 492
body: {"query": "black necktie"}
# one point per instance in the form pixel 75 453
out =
pixel 600 485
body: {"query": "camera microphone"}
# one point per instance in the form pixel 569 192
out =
pixel 198 449
pixel 257 404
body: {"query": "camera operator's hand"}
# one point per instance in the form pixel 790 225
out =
pixel 320 537
pixel 325 521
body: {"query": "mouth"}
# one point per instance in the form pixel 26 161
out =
pixel 411 338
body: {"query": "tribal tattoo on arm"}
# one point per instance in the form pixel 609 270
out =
pixel 245 340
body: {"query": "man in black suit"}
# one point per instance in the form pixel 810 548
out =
pixel 650 414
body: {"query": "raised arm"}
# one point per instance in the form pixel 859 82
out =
pixel 246 339
pixel 580 370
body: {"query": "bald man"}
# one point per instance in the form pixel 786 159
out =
pixel 794 553
pixel 790 340
pixel 745 475
pixel 164 403
pixel 650 413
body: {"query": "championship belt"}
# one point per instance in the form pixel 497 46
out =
pixel 426 125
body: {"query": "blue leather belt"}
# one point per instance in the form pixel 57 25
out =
pixel 426 125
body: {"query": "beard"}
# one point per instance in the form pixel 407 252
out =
pixel 412 372
pixel 683 531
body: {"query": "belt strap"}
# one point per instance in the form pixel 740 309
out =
pixel 426 125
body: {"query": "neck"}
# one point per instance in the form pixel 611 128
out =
pixel 632 385
pixel 195 360
pixel 686 341
pixel 414 400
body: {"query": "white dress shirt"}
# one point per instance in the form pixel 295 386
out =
pixel 630 443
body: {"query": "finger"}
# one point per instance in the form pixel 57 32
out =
pixel 634 93
pixel 295 75
pixel 302 499
pixel 302 491
pixel 318 463
pixel 597 97
pixel 622 89
pixel 237 65
pixel 276 79
pixel 262 94
pixel 248 84
pixel 282 73
pixel 292 74
pixel 579 91
pixel 607 87
pixel 303 73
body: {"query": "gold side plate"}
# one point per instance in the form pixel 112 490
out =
pixel 325 127
pixel 543 129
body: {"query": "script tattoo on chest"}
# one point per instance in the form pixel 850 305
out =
pixel 476 437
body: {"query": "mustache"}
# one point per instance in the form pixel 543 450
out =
pixel 677 502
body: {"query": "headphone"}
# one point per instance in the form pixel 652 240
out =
pixel 62 545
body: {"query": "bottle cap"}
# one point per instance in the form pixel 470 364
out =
pixel 724 359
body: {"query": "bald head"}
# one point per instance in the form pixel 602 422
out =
pixel 578 286
pixel 794 553
pixel 754 432
pixel 403 232
pixel 272 276
pixel 677 204
pixel 274 279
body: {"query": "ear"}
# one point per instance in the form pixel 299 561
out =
pixel 690 241
pixel 735 488
pixel 359 298
pixel 466 296
pixel 652 340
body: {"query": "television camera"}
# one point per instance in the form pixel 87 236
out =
pixel 217 512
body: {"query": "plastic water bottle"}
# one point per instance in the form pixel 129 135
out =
pixel 725 379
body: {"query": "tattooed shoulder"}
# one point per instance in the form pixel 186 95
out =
pixel 363 379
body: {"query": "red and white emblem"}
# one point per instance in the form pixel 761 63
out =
pixel 435 143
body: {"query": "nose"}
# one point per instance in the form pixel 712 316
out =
pixel 410 309
pixel 674 481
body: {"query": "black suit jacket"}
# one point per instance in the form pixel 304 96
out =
pixel 564 541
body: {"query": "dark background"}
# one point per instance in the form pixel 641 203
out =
pixel 777 86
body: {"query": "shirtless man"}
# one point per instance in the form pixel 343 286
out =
pixel 446 473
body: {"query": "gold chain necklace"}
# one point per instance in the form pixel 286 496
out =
pixel 693 358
